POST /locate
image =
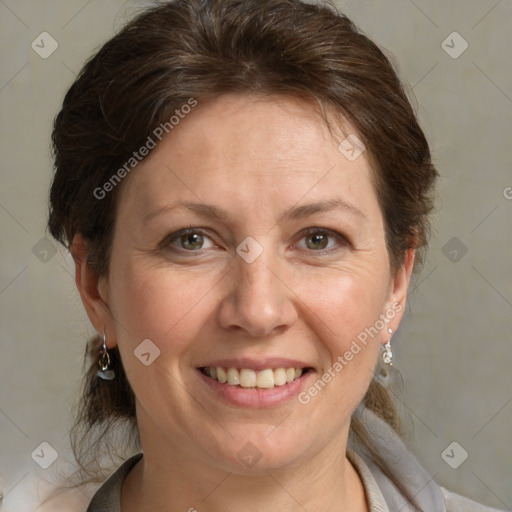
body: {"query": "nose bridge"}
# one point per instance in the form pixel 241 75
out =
pixel 258 301
pixel 257 278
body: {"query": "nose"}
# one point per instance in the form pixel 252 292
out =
pixel 259 302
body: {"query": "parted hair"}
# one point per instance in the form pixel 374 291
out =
pixel 201 49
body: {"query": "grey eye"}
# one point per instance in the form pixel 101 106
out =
pixel 317 241
pixel 192 241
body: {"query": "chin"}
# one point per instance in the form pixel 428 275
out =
pixel 257 449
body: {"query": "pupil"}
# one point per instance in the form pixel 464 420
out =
pixel 318 241
pixel 193 241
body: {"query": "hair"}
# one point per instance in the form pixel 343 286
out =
pixel 201 49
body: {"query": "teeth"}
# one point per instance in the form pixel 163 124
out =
pixel 221 375
pixel 265 379
pixel 247 378
pixel 233 376
pixel 280 377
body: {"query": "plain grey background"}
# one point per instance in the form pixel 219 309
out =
pixel 453 348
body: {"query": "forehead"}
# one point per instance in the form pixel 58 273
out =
pixel 241 149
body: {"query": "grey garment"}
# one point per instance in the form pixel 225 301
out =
pixel 378 503
pixel 381 492
pixel 108 497
pixel 403 467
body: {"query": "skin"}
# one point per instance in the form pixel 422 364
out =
pixel 256 159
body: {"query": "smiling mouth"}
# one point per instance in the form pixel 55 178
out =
pixel 247 378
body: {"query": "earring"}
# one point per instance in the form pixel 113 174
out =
pixel 387 355
pixel 105 372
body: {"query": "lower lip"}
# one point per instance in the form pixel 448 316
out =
pixel 253 397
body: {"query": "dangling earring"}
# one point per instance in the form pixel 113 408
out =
pixel 387 355
pixel 105 372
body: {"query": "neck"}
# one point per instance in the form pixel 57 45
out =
pixel 174 481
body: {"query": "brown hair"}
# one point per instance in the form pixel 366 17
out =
pixel 201 49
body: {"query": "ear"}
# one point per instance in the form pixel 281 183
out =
pixel 93 291
pixel 399 285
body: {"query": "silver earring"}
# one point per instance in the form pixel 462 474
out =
pixel 387 355
pixel 105 372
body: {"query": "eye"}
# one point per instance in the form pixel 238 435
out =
pixel 318 239
pixel 188 240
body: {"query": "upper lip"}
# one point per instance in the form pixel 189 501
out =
pixel 261 363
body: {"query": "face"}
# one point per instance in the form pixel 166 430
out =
pixel 247 241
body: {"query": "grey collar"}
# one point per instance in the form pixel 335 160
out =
pixel 402 464
pixel 403 467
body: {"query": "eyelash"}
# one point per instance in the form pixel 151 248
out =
pixel 167 242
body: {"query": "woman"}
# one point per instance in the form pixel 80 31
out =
pixel 245 191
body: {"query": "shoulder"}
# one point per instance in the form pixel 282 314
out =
pixel 44 494
pixel 457 503
pixel 70 500
pixel 404 473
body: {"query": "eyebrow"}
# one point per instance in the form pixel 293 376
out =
pixel 294 213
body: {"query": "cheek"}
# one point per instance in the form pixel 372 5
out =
pixel 344 311
pixel 160 305
pixel 170 310
pixel 344 302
